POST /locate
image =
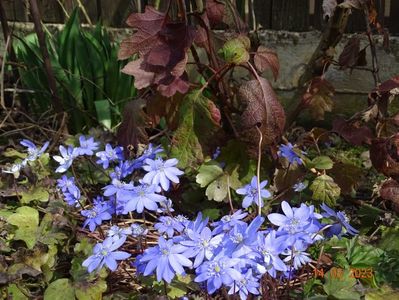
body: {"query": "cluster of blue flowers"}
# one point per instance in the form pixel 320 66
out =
pixel 233 252
pixel 33 153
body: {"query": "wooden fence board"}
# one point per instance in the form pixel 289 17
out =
pixel 291 15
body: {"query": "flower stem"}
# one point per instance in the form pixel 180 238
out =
pixel 258 170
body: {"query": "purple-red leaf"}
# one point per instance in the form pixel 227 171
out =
pixel 390 191
pixel 353 133
pixel 350 55
pixel 215 11
pixel 148 24
pixel 267 59
pixel 132 131
pixel 385 157
pixel 162 46
pixel 263 110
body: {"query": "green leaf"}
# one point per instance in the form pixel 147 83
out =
pixel 211 213
pixel 217 181
pixel 198 125
pixel 37 193
pixel 61 289
pixel 103 110
pixel 339 284
pixel 321 163
pixel 236 50
pixel 27 220
pixel 325 190
pixel 362 256
pixel 218 189
pixel 15 293
pixel 384 292
pixel 208 172
pixel 389 239
pixel 11 152
pixel 90 290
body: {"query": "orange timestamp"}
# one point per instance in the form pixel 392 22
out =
pixel 339 273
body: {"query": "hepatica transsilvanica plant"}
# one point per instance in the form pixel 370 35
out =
pixel 234 252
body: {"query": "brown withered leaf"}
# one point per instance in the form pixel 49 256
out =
pixel 350 54
pixel 385 157
pixel 267 59
pixel 353 132
pixel 262 110
pixel 318 97
pixel 160 106
pixel 132 130
pixel 329 8
pixel 390 191
pixel 357 4
pixel 347 176
pixel 286 178
pixel 162 46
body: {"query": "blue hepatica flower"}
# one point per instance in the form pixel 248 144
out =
pixel 168 225
pixel 296 254
pixel 67 184
pixel 118 233
pixel 104 254
pixel 220 270
pixel 246 285
pixel 166 258
pixel 95 216
pixel 124 169
pixel 165 207
pixel 242 238
pixel 138 230
pixel 161 172
pixel 340 221
pixel 251 192
pixel 200 245
pixel 299 187
pixel 296 222
pixel 143 196
pixel 66 159
pixel 120 189
pixel 72 199
pixel 87 146
pixel 288 152
pixel 109 155
pixel 228 222
pixel 33 151
pixel 269 247
pixel 149 153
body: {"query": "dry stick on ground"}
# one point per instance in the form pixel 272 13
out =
pixel 318 63
pixel 46 59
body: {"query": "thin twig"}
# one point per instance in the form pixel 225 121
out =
pixel 374 60
pixel 46 59
pixel 3 65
